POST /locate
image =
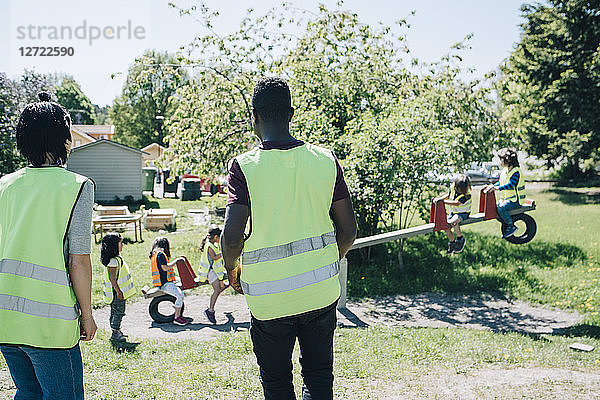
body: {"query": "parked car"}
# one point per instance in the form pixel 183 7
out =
pixel 483 173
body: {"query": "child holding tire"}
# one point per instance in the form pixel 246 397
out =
pixel 118 284
pixel 163 275
pixel 212 269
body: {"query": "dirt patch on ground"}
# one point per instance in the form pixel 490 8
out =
pixel 492 383
pixel 422 310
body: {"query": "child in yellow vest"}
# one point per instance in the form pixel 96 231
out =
pixel 118 284
pixel 459 200
pixel 211 268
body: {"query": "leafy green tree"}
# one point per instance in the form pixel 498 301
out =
pixel 101 114
pixel 139 112
pixel 14 96
pixel 391 129
pixel 70 96
pixel 10 160
pixel 551 83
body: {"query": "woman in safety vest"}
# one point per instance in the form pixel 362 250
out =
pixel 511 186
pixel 45 266
pixel 211 268
pixel 118 284
pixel 459 200
pixel 163 275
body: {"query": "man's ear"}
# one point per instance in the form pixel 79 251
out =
pixel 291 113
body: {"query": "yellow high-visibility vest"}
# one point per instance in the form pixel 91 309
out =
pixel 124 280
pixel 463 208
pixel 206 262
pixel 517 193
pixel 290 262
pixel 37 304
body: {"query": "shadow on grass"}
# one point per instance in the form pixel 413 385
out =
pixel 228 326
pixel 571 197
pixel 581 330
pixel 478 311
pixel 488 265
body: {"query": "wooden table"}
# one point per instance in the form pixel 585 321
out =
pixel 135 219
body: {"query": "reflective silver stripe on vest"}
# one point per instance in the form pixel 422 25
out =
pixel 289 249
pixel 37 309
pixel 124 279
pixel 127 288
pixel 34 271
pixel 108 286
pixel 293 282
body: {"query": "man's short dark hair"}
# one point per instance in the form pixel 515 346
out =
pixel 44 129
pixel 272 100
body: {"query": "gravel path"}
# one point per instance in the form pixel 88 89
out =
pixel 422 310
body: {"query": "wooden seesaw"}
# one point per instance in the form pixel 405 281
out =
pixel 438 222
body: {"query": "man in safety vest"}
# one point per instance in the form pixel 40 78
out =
pixel 511 186
pixel 301 224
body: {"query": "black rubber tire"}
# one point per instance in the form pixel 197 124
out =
pixel 156 315
pixel 530 229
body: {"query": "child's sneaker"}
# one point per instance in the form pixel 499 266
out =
pixel 460 244
pixel 188 319
pixel 451 247
pixel 210 315
pixel 180 321
pixel 510 230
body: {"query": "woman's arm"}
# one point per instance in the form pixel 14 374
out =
pixel 80 270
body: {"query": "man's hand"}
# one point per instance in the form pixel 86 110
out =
pixel 88 328
pixel 233 276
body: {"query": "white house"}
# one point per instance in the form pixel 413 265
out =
pixel 116 168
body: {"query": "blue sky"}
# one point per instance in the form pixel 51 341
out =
pixel 437 25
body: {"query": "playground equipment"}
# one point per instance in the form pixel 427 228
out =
pixel 186 280
pixel 526 229
pixel 487 211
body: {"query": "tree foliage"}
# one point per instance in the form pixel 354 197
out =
pixel 14 96
pixel 70 96
pixel 390 127
pixel 151 81
pixel 551 84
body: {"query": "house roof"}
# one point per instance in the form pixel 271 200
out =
pixel 150 146
pixel 97 142
pixel 96 129
pixel 82 133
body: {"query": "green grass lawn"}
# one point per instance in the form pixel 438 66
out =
pixel 559 268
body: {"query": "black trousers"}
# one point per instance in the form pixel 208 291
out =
pixel 273 342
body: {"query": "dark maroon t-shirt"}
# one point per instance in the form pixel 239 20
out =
pixel 238 187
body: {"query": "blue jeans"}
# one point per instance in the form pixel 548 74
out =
pixel 503 210
pixel 48 374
